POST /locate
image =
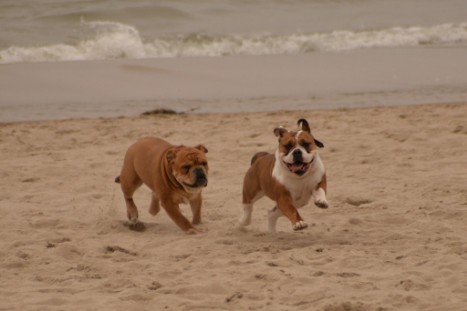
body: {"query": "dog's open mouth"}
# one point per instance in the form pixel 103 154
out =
pixel 298 168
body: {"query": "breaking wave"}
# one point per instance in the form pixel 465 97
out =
pixel 111 40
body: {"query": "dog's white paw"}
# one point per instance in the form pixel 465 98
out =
pixel 246 218
pixel 300 225
pixel 133 219
pixel 243 222
pixel 322 204
pixel 320 198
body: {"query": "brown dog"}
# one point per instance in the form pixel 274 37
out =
pixel 290 177
pixel 175 174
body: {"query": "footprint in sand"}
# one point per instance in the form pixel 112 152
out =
pixel 45 223
pixel 357 201
pixel 113 249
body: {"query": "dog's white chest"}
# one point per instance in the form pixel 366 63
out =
pixel 300 192
pixel 300 188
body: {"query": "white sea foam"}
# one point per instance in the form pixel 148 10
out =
pixel 108 40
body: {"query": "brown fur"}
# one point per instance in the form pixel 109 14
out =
pixel 163 168
pixel 260 181
pixel 258 178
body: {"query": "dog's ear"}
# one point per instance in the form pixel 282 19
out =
pixel 202 148
pixel 303 124
pixel 279 131
pixel 318 143
pixel 171 153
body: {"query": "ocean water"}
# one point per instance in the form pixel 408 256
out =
pixel 60 30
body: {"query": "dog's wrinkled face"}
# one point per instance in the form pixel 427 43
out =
pixel 297 150
pixel 189 166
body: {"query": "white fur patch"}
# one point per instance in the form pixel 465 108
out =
pixel 273 215
pixel 320 198
pixel 300 187
pixel 133 220
pixel 246 219
pixel 307 157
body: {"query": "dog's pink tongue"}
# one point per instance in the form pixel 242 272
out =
pixel 296 167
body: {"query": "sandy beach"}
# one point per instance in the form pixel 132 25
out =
pixel 393 239
pixel 382 83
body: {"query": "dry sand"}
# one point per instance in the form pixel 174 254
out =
pixel 394 237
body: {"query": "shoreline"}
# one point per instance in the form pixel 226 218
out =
pixel 112 88
pixel 165 113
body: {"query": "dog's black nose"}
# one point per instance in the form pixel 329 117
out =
pixel 201 178
pixel 297 156
pixel 199 172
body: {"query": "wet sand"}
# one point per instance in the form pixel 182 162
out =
pixel 359 78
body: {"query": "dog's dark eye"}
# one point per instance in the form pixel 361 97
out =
pixel 305 145
pixel 288 146
pixel 204 163
pixel 186 167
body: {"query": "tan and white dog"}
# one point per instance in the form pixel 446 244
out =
pixel 290 177
pixel 175 174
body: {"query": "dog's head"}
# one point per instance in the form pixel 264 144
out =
pixel 189 166
pixel 297 150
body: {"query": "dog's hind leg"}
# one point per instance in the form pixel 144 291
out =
pixel 246 218
pixel 129 183
pixel 131 211
pixel 273 215
pixel 251 193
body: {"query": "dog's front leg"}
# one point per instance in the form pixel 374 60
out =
pixel 195 205
pixel 319 194
pixel 285 205
pixel 173 210
pixel 154 207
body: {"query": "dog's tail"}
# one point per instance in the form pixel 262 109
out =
pixel 117 179
pixel 257 156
